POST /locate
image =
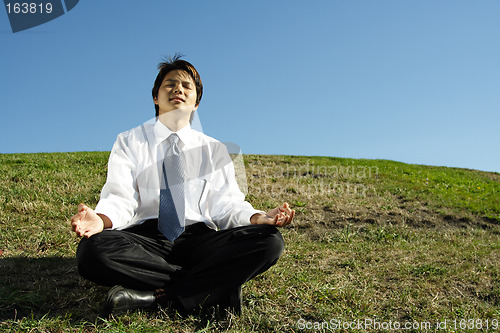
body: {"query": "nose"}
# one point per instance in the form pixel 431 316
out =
pixel 178 88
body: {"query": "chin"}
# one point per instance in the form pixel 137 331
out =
pixel 182 110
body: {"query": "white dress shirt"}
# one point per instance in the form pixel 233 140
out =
pixel 132 189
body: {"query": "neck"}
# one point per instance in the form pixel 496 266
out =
pixel 175 119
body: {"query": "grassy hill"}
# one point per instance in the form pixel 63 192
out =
pixel 374 242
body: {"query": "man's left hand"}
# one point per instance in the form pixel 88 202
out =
pixel 279 216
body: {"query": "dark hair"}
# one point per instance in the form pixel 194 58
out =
pixel 176 63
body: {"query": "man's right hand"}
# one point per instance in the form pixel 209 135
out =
pixel 86 222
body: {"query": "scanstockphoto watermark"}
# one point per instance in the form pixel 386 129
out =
pixel 26 14
pixel 313 179
pixel 372 324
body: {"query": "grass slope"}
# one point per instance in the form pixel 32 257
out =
pixel 374 241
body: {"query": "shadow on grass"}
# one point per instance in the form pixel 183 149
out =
pixel 46 287
pixel 51 288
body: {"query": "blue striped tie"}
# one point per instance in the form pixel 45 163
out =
pixel 171 210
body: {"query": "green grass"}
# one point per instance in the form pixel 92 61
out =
pixel 372 239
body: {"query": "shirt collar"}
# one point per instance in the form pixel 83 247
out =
pixel 162 132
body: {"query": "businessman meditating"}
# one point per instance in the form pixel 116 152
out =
pixel 172 228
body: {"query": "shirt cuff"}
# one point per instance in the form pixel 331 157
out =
pixel 108 210
pixel 246 215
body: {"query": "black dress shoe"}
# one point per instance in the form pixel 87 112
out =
pixel 234 302
pixel 121 300
pixel 228 307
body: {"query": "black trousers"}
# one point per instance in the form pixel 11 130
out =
pixel 202 266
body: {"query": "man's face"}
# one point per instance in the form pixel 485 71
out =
pixel 177 92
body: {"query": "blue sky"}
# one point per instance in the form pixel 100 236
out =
pixel 411 81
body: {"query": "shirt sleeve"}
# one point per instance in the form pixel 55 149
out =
pixel 227 203
pixel 119 196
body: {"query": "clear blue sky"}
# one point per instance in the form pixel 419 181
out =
pixel 416 81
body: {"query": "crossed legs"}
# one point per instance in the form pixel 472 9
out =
pixel 201 268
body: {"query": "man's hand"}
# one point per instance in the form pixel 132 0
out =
pixel 86 222
pixel 279 216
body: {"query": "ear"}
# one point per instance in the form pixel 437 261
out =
pixel 196 107
pixel 155 100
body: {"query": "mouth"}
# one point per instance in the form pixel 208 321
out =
pixel 177 99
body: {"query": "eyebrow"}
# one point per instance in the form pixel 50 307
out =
pixel 174 80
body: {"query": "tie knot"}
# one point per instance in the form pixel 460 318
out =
pixel 173 139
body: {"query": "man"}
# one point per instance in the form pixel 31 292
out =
pixel 172 227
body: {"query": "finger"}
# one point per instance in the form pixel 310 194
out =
pixel 82 208
pixel 78 230
pixel 77 217
pixel 285 212
pixel 85 211
pixel 278 219
pixel 81 231
pixel 277 210
pixel 288 211
pixel 282 219
pixel 290 217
